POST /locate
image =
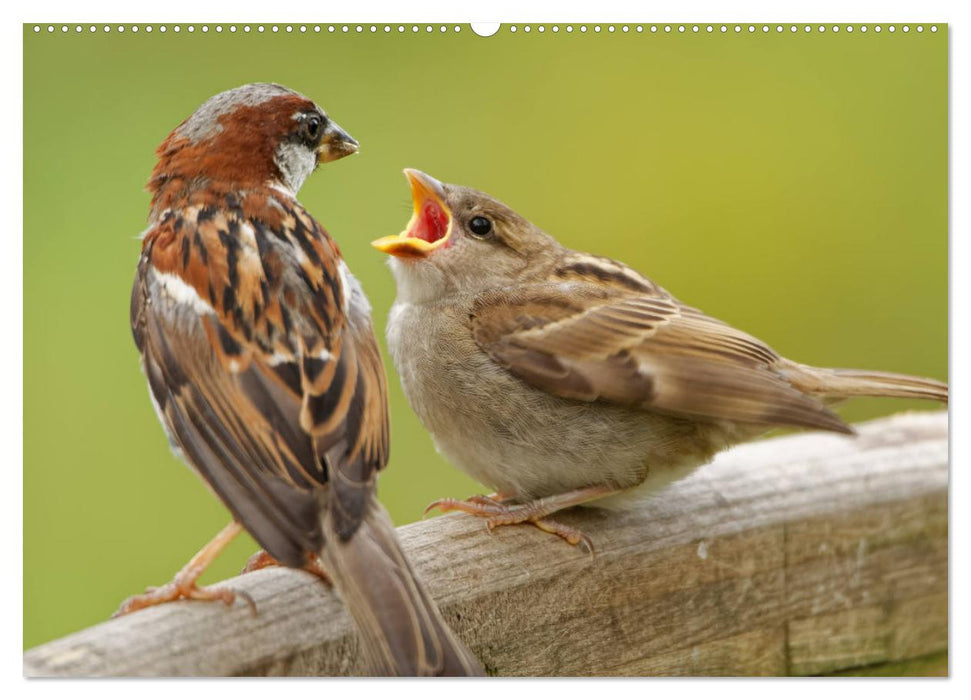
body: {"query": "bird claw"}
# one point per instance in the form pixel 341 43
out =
pixel 263 559
pixel 476 505
pixel 183 590
pixel 499 513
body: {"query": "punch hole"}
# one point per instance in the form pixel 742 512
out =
pixel 485 29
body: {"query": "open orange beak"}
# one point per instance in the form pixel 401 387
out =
pixel 430 225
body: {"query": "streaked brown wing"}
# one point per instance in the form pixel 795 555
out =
pixel 259 376
pixel 644 350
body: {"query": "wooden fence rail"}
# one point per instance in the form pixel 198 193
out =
pixel 804 554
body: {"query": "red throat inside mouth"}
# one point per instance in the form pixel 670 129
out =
pixel 431 224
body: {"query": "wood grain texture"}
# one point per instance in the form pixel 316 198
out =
pixel 806 554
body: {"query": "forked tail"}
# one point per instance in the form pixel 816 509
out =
pixel 401 630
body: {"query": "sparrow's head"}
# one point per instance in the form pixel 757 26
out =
pixel 252 135
pixel 460 240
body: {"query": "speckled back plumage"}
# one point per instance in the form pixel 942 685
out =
pixel 262 362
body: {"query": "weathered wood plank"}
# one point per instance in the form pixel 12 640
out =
pixel 799 555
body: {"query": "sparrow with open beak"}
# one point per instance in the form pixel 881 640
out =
pixel 557 377
pixel 263 366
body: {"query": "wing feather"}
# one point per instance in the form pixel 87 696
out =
pixel 259 363
pixel 642 349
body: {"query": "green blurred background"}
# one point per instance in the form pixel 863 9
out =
pixel 794 185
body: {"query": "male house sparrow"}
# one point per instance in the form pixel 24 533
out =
pixel 558 377
pixel 264 369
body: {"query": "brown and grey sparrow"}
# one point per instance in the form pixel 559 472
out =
pixel 557 377
pixel 263 367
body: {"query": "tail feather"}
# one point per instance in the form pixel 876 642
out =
pixel 401 630
pixel 844 383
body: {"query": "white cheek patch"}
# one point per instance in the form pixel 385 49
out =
pixel 180 292
pixel 295 162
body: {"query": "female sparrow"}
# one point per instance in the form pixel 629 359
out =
pixel 264 370
pixel 558 377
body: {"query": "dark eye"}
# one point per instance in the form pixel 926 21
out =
pixel 480 226
pixel 312 127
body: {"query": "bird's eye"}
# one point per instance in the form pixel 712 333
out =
pixel 312 127
pixel 480 226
